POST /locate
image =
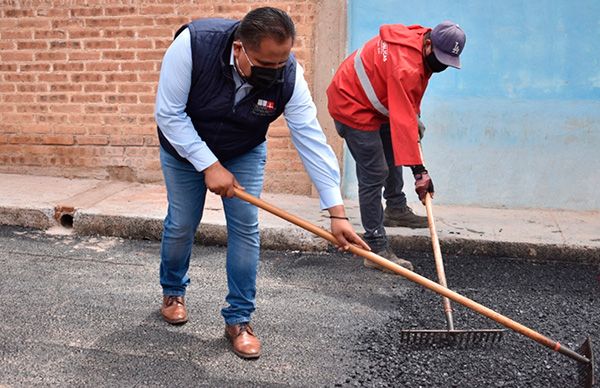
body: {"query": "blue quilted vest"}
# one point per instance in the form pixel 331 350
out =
pixel 229 130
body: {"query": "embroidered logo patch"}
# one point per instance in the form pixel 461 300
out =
pixel 456 48
pixel 264 108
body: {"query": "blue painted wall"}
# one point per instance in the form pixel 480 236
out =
pixel 519 125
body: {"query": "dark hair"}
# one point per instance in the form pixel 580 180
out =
pixel 265 22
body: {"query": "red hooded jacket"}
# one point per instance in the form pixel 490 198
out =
pixel 394 64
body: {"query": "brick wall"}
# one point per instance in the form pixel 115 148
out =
pixel 78 82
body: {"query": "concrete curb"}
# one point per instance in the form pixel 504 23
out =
pixel 41 218
pixel 529 251
pixel 288 237
pixel 293 238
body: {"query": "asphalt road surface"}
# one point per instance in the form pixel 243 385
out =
pixel 84 311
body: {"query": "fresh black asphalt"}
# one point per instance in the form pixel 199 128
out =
pixel 83 311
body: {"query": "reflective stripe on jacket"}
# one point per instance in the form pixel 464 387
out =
pixel 396 79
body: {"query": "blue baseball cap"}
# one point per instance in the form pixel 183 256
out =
pixel 448 41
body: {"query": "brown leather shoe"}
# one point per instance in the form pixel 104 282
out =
pixel 244 341
pixel 173 310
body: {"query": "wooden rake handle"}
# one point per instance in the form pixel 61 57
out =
pixel 439 262
pixel 414 277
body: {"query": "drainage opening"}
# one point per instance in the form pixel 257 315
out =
pixel 63 214
pixel 66 220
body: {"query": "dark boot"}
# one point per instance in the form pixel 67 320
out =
pixel 404 217
pixel 387 253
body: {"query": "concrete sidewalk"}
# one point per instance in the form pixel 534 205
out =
pixel 133 210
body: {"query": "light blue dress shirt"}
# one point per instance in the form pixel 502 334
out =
pixel 300 114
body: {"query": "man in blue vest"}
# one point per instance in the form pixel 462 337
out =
pixel 222 82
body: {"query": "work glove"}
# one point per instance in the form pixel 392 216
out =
pixel 423 185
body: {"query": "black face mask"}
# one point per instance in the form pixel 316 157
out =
pixel 263 77
pixel 434 65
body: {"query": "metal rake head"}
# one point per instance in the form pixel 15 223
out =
pixel 451 337
pixel 586 370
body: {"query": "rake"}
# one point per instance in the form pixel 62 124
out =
pixel 583 355
pixel 450 336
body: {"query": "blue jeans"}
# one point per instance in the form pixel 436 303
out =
pixel 186 193
pixel 375 169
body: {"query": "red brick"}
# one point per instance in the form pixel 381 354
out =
pixel 172 21
pixel 67 23
pixel 49 34
pixel 51 119
pixel 52 98
pixel 86 77
pixel 32 88
pixel 99 88
pixel 59 139
pixel 52 77
pixel 121 99
pixel 17 118
pixel 53 12
pixel 37 22
pixel 32 45
pixel 124 140
pixel 149 77
pixel 83 12
pixel 84 33
pixel 102 66
pixel 139 109
pixel 118 55
pixel 100 108
pixel 8 67
pixel 156 32
pixel 100 44
pixel 158 10
pixel 32 108
pixel 16 56
pixel 35 67
pixel 24 139
pixel 151 140
pixel 116 11
pixel 120 33
pixel 139 44
pixel 7 45
pixel 20 97
pixel 121 77
pixel 119 120
pixel 91 140
pixel 150 55
pixel 137 21
pixel 84 56
pixel 102 22
pixel 7 88
pixel 86 98
pixel 147 99
pixel 135 88
pixel 137 66
pixel 69 66
pixel 16 35
pixel 68 87
pixel 50 56
pixel 18 13
pixel 70 44
pixel 162 44
pixel 66 108
pixel 34 127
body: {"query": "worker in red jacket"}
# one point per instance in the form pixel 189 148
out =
pixel 375 101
